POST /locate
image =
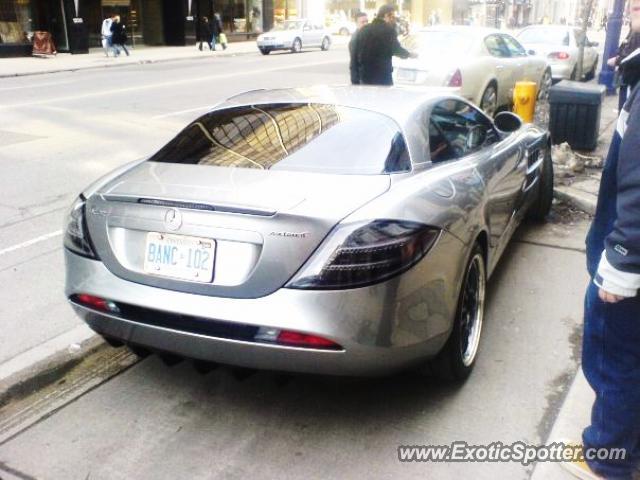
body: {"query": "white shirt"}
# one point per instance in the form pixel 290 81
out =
pixel 106 27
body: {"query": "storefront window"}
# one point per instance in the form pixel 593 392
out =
pixel 15 21
pixel 284 10
pixel 240 16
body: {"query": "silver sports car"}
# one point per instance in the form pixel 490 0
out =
pixel 346 230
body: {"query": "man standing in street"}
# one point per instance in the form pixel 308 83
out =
pixel 361 21
pixel 611 345
pixel 106 34
pixel 376 45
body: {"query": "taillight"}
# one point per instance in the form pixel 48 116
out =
pixel 456 79
pixel 76 236
pixel 357 255
pixel 290 338
pixel 559 56
pixel 96 303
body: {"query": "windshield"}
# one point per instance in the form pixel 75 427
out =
pixel 288 25
pixel 295 137
pixel 439 43
pixel 545 36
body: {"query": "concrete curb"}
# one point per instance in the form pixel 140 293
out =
pixel 124 64
pixel 46 363
pixel 576 198
pixel 573 417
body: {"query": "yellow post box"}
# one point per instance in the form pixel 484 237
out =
pixel 524 100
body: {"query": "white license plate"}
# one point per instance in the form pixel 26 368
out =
pixel 180 257
pixel 408 75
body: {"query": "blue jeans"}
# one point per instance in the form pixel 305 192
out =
pixel 611 364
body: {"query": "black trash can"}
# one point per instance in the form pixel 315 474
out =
pixel 575 110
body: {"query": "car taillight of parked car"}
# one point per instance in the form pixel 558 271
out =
pixel 559 56
pixel 456 79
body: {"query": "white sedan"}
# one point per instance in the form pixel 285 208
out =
pixel 294 35
pixel 560 45
pixel 482 64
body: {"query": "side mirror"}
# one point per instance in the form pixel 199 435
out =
pixel 531 52
pixel 507 122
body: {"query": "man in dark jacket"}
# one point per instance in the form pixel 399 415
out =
pixel 354 69
pixel 375 46
pixel 611 344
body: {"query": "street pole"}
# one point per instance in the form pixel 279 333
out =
pixel 614 28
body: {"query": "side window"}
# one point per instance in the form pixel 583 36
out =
pixel 456 129
pixel 515 49
pixel 496 46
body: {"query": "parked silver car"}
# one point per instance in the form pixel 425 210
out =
pixel 294 35
pixel 560 44
pixel 335 230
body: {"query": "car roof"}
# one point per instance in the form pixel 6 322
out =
pixel 397 102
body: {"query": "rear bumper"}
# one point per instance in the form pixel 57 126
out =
pixel 277 45
pixel 561 71
pixel 383 328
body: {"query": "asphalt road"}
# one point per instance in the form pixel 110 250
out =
pixel 59 132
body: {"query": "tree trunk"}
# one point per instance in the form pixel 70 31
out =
pixel 586 15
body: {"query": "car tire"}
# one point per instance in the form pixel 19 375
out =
pixel 489 100
pixel 457 359
pixel 296 46
pixel 344 31
pixel 539 210
pixel 265 51
pixel 326 44
pixel 545 85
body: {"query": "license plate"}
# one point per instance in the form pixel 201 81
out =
pixel 180 257
pixel 405 74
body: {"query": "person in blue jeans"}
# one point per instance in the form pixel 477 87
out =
pixel 611 345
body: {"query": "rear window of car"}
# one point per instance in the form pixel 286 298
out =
pixel 439 43
pixel 544 36
pixel 318 138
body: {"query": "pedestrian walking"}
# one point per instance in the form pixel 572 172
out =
pixel 106 34
pixel 217 35
pixel 204 33
pixel 627 61
pixel 611 344
pixel 361 20
pixel 376 45
pixel 119 36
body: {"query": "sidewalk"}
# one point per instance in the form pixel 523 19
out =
pixel 95 59
pixel 66 62
pixel 581 190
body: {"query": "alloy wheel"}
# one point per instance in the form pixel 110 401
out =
pixel 489 102
pixel 472 310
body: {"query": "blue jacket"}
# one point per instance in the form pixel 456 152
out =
pixel 613 243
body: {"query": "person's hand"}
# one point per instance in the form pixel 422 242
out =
pixel 607 297
pixel 413 54
pixel 612 61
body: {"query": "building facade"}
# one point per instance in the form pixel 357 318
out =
pixel 75 24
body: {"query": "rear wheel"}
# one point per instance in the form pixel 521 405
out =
pixel 545 85
pixel 296 47
pixel 326 43
pixel 542 205
pixel 265 51
pixel 457 358
pixel 489 101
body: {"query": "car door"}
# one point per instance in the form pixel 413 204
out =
pixel 308 35
pixel 525 69
pixel 457 130
pixel 503 71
